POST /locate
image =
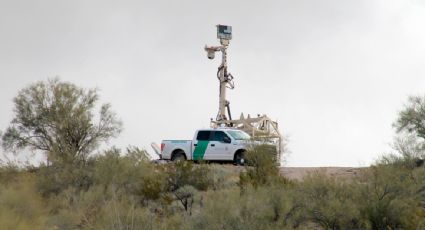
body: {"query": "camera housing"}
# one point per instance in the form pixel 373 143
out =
pixel 210 54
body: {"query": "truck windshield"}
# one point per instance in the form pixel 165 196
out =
pixel 239 135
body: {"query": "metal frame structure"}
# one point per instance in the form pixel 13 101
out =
pixel 260 127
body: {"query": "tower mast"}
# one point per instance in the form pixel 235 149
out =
pixel 224 33
pixel 260 127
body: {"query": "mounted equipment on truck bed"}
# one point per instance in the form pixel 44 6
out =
pixel 261 127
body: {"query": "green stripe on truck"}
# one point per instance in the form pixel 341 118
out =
pixel 199 152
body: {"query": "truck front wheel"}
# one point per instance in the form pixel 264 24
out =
pixel 178 156
pixel 239 158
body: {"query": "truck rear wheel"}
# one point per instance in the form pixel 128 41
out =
pixel 239 158
pixel 178 156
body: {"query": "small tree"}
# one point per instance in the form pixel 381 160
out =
pixel 412 117
pixel 410 125
pixel 57 118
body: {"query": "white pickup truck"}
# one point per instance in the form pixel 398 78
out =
pixel 208 144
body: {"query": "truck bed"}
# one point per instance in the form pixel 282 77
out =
pixel 168 146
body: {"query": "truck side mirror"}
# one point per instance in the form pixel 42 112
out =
pixel 227 139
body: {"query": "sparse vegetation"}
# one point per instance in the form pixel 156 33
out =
pixel 118 189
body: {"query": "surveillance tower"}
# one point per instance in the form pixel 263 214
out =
pixel 260 127
pixel 224 33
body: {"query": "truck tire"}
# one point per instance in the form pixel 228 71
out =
pixel 239 158
pixel 178 156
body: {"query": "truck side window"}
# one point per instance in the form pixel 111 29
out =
pixel 219 136
pixel 203 135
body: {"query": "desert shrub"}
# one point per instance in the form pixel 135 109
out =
pixel 261 208
pixel 408 152
pixel 262 168
pixel 186 173
pixel 99 209
pixel 221 210
pixel 418 177
pixel 282 203
pixel 9 173
pixel 112 180
pixel 123 214
pixel 114 170
pixel 224 176
pixel 271 207
pixel 21 207
pixel 261 155
pixel 327 202
pixel 72 208
pixel 394 188
pixel 55 178
pixel 186 195
pixel 130 174
pixel 152 187
pixel 390 198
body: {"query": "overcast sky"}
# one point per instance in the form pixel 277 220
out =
pixel 334 73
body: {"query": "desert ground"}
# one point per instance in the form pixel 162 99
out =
pixel 298 173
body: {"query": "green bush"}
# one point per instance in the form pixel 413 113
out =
pixel 261 208
pixel 262 167
pixel 56 178
pixel 390 198
pixel 327 202
pixel 186 173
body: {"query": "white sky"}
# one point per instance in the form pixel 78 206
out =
pixel 334 73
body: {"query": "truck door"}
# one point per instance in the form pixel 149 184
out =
pixel 218 149
pixel 200 145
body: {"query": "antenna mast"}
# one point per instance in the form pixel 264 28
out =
pixel 224 33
